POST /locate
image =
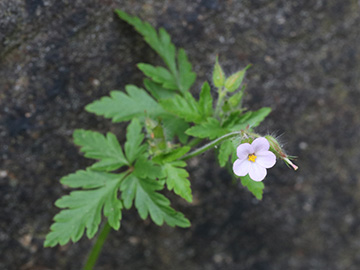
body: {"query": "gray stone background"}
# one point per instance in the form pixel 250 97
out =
pixel 56 56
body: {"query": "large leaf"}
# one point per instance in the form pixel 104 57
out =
pixel 83 208
pixel 123 107
pixel 149 201
pixel 105 149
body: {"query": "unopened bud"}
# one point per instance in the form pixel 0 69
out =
pixel 218 75
pixel 276 148
pixel 234 81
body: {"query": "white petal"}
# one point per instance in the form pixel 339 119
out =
pixel 260 144
pixel 241 167
pixel 256 172
pixel 243 150
pixel 266 159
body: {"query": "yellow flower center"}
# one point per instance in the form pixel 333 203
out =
pixel 252 157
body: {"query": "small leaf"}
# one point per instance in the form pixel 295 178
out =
pixel 134 138
pixel 225 151
pixel 123 107
pixel 106 149
pixel 83 208
pixel 186 76
pixel 159 75
pixel 206 101
pixel 210 129
pixel 218 75
pixel 256 188
pixel 176 178
pixel 234 81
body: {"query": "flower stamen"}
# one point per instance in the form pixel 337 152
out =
pixel 252 157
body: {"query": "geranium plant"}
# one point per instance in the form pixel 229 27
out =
pixel 166 125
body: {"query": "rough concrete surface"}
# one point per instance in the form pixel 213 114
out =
pixel 56 56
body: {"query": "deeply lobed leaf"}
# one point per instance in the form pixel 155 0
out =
pixel 83 208
pixel 123 107
pixel 184 107
pixel 106 149
pixel 149 202
pixel 176 178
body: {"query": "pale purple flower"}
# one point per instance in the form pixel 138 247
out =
pixel 254 159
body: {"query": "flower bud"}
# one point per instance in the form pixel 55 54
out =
pixel 276 148
pixel 218 75
pixel 234 81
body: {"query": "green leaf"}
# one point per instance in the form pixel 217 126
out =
pixel 256 188
pixel 218 75
pixel 184 107
pixel 176 178
pixel 149 201
pixel 159 75
pixel 174 126
pixel 171 156
pixel 123 107
pixel 134 138
pixel 206 101
pixel 210 129
pixel 157 91
pixel 225 151
pixel 234 81
pixel 186 76
pixel 145 168
pixel 83 208
pixel 159 42
pixel 251 118
pixel 106 149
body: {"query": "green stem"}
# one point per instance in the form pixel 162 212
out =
pixel 194 142
pixel 96 249
pixel 210 145
pixel 222 94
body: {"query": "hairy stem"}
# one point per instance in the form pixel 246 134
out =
pixel 210 145
pixel 96 249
